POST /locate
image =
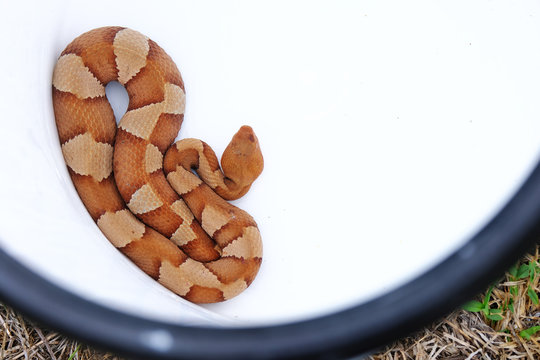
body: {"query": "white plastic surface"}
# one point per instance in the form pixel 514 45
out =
pixel 391 131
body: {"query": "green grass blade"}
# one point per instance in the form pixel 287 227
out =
pixel 487 297
pixel 533 295
pixel 494 317
pixel 526 334
pixel 523 271
pixel 473 306
pixel 74 353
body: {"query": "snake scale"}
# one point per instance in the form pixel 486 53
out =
pixel 161 204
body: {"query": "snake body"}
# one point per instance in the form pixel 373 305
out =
pixel 140 188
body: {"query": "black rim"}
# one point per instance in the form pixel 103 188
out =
pixel 363 328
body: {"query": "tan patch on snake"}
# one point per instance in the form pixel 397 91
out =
pixel 212 178
pixel 120 227
pixel 247 246
pixel 175 99
pixel 130 48
pixel 198 274
pixel 141 122
pixel 71 75
pixel 211 157
pixel 180 279
pixel 144 200
pixel 189 143
pixel 233 289
pixel 184 234
pixel 182 210
pixel 153 159
pixel 213 218
pixel 85 156
pixel 183 181
pixel 208 167
pixel 206 162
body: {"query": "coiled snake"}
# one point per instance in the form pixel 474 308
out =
pixel 189 239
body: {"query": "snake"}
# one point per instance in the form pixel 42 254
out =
pixel 163 204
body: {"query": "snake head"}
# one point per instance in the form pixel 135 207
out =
pixel 242 161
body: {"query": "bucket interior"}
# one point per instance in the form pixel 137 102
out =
pixel 391 132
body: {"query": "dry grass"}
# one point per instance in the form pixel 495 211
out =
pixel 462 335
pixel 23 340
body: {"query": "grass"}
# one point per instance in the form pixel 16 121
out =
pixel 21 339
pixel 502 323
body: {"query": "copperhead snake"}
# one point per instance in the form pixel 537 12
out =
pixel 140 188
